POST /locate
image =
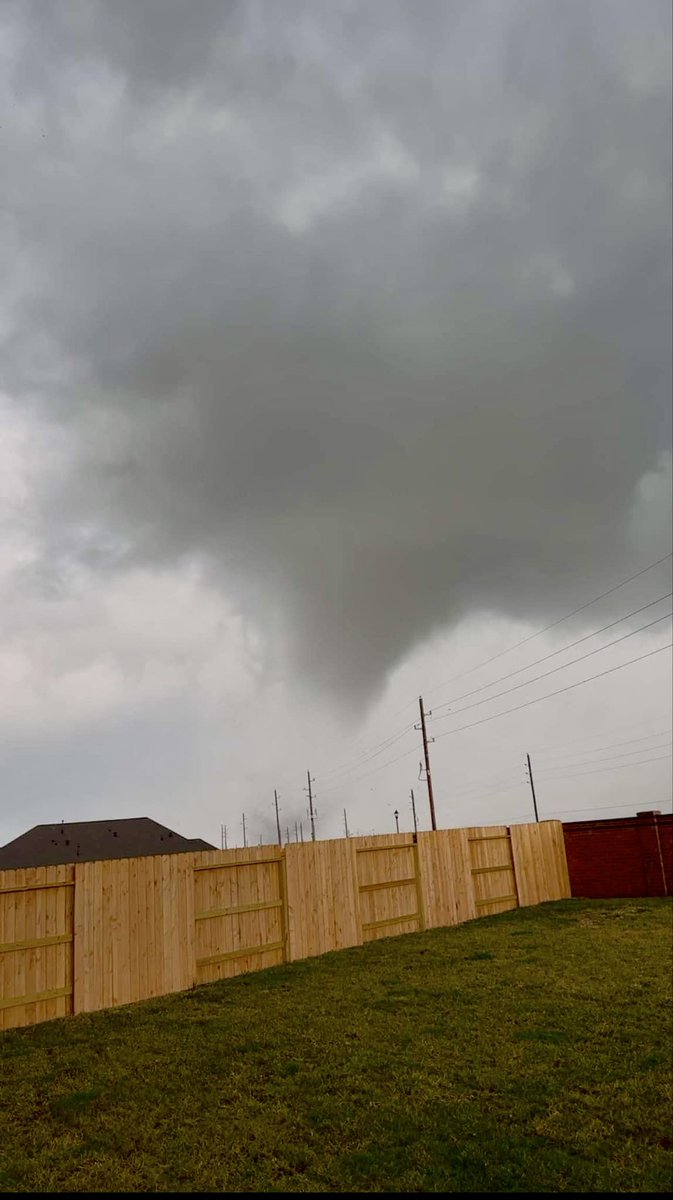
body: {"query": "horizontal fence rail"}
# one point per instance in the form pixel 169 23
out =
pixel 86 936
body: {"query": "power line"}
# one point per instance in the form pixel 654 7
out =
pixel 620 767
pixel 360 760
pixel 558 692
pixel 604 807
pixel 550 772
pixel 611 746
pixel 407 754
pixel 353 764
pixel 563 667
pixel 517 708
pixel 624 728
pixel 490 792
pixel 553 624
pixel 509 784
pixel 458 786
pixel 545 657
pixel 368 753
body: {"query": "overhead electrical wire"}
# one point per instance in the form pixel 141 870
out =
pixel 541 755
pixel 553 624
pixel 496 716
pixel 507 771
pixel 540 631
pixel 546 773
pixel 558 692
pixel 563 667
pixel 381 747
pixel 601 807
pixel 618 729
pixel 373 751
pixel 620 767
pixel 354 763
pixel 596 762
pixel 553 654
pixel 366 775
pixel 538 754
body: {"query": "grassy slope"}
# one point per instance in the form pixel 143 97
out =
pixel 530 1051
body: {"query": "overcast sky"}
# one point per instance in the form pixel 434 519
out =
pixel 336 361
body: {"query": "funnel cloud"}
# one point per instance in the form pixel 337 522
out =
pixel 365 307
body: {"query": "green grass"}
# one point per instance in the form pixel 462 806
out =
pixel 521 1053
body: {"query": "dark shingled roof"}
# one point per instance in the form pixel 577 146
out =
pixel 84 841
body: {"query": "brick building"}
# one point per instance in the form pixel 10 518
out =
pixel 623 856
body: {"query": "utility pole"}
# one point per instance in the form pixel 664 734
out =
pixel 296 832
pixel 245 840
pixel 287 831
pixel 413 809
pixel 397 820
pixel 310 805
pixel 346 824
pixel 532 786
pixel 426 752
pixel 221 837
pixel 301 832
pixel 275 800
pixel 224 837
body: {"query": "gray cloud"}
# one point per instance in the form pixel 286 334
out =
pixel 368 306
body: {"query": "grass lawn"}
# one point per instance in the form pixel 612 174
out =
pixel 526 1052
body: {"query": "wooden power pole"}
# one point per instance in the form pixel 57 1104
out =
pixel 275 800
pixel 310 805
pixel 426 753
pixel 532 786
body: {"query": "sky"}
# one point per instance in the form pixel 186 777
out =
pixel 335 371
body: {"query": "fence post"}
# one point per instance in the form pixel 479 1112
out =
pixel 79 940
pixel 419 884
pixel 284 912
pixel 356 888
pixel 511 859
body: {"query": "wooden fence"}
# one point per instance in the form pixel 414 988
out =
pixel 94 935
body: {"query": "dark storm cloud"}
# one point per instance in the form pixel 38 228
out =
pixel 368 304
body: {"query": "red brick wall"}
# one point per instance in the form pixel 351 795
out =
pixel 620 857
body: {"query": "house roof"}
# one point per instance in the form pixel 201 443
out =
pixel 84 841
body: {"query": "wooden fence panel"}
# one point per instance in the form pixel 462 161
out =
pixel 239 911
pixel 492 867
pixel 321 898
pixel 540 861
pixel 132 918
pixel 390 895
pixel 446 877
pixel 36 945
